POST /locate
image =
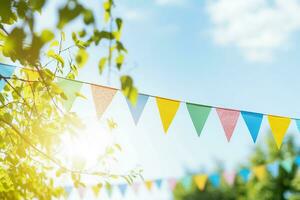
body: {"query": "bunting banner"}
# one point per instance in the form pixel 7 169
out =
pixel 5 71
pixel 199 114
pixel 102 98
pixel 256 173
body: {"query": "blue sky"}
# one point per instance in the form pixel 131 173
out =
pixel 241 54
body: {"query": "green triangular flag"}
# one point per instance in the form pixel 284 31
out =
pixel 199 115
pixel 70 88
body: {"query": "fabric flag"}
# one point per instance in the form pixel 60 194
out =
pixel 172 183
pixel 287 165
pixel 123 189
pixel 6 71
pixel 135 187
pixel 137 109
pixel 68 190
pixel 199 115
pixel 214 179
pixel 148 185
pixel 81 192
pixel 70 88
pixel 253 122
pixel 167 110
pixel 102 98
pixel 229 177
pixel 228 120
pixel 186 182
pixel 273 168
pixel 298 124
pixel 260 171
pixel 96 189
pixel 279 126
pixel 200 181
pixel 158 183
pixel 245 173
pixel 108 189
pixel 297 160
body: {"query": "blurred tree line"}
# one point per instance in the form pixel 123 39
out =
pixel 285 185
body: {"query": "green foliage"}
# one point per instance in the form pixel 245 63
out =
pixel 270 188
pixel 32 120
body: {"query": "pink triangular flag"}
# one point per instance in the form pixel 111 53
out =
pixel 228 119
pixel 102 98
pixel 135 187
pixel 81 191
pixel 229 177
pixel 172 183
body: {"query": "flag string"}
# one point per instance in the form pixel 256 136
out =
pixel 153 96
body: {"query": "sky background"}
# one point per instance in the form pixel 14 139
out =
pixel 240 54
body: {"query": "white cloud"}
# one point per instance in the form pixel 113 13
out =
pixel 169 2
pixel 257 27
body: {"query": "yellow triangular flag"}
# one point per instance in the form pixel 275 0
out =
pixel 279 126
pixel 167 110
pixel 200 181
pixel 148 185
pixel 260 171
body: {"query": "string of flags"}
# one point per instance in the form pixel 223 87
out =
pixel 103 96
pixel 201 180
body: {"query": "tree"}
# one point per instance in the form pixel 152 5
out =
pixel 32 119
pixel 286 185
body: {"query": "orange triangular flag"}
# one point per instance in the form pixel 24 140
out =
pixel 279 126
pixel 200 181
pixel 167 110
pixel 260 171
pixel 148 185
pixel 102 98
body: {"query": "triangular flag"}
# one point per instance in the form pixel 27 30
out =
pixel 186 182
pixel 253 122
pixel 229 177
pixel 123 189
pixel 96 189
pixel 200 181
pixel 273 168
pixel 214 179
pixel 244 173
pixel 108 189
pixel 228 120
pixel 297 160
pixel 279 126
pixel 102 98
pixel 158 183
pixel 298 124
pixel 137 109
pixel 5 71
pixel 68 190
pixel 81 191
pixel 148 185
pixel 199 115
pixel 167 110
pixel 135 187
pixel 287 165
pixel 70 88
pixel 260 171
pixel 172 183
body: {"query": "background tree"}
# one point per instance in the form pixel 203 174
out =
pixel 32 118
pixel 286 185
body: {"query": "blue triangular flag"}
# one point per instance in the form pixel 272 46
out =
pixel 158 183
pixel 253 122
pixel 6 71
pixel 244 173
pixel 287 164
pixel 123 189
pixel 186 182
pixel 273 168
pixel 214 179
pixel 298 124
pixel 136 110
pixel 68 190
pixel 297 160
